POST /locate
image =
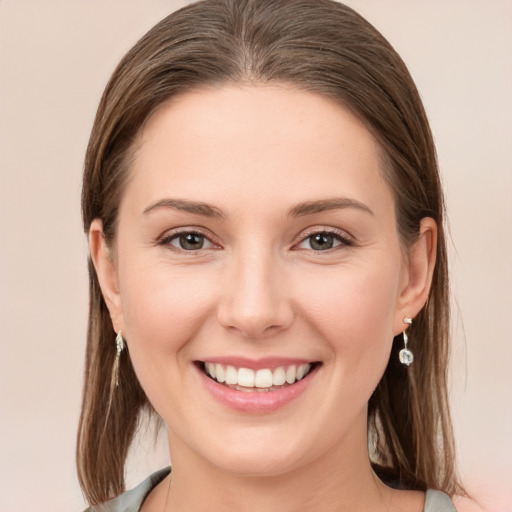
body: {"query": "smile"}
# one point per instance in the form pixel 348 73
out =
pixel 256 387
pixel 263 379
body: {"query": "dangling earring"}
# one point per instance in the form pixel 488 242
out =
pixel 114 378
pixel 115 369
pixel 405 355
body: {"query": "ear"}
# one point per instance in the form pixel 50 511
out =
pixel 419 268
pixel 103 262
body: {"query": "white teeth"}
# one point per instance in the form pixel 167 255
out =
pixel 246 377
pixel 210 369
pixel 302 370
pixel 291 374
pixel 231 375
pixel 263 379
pixel 219 373
pixel 279 377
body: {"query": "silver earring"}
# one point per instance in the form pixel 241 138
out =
pixel 119 342
pixel 115 370
pixel 114 378
pixel 405 355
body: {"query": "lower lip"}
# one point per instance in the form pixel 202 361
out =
pixel 256 402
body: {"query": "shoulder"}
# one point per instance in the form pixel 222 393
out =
pixel 438 501
pixel 131 501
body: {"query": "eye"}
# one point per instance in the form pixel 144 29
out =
pixel 323 241
pixel 188 241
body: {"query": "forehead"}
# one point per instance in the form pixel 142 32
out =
pixel 273 143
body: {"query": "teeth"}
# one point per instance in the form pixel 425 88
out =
pixel 246 378
pixel 262 379
pixel 231 375
pixel 291 374
pixel 219 373
pixel 301 371
pixel 210 369
pixel 279 377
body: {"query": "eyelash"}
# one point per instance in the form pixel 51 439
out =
pixel 338 235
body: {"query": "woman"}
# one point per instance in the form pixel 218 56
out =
pixel 268 268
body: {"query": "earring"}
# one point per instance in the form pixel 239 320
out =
pixel 119 342
pixel 115 369
pixel 405 355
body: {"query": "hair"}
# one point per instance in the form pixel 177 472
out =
pixel 319 46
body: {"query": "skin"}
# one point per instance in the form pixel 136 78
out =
pixel 257 289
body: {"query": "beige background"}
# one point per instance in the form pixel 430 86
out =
pixel 55 58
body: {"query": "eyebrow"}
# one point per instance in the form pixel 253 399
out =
pixel 300 210
pixel 335 203
pixel 195 207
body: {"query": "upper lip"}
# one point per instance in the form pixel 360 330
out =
pixel 256 364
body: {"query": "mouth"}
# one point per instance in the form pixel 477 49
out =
pixel 260 380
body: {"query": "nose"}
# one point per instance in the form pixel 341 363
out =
pixel 255 300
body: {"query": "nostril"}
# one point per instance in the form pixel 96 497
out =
pixel 255 332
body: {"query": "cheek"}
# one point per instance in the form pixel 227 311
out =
pixel 162 312
pixel 354 311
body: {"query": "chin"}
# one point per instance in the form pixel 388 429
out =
pixel 259 454
pixel 257 464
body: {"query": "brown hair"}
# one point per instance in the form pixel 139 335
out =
pixel 323 47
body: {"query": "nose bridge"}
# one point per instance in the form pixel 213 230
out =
pixel 255 302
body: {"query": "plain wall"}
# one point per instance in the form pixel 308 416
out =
pixel 55 59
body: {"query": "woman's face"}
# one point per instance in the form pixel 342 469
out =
pixel 257 241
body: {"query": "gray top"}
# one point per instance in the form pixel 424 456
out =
pixel 438 501
pixel 131 501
